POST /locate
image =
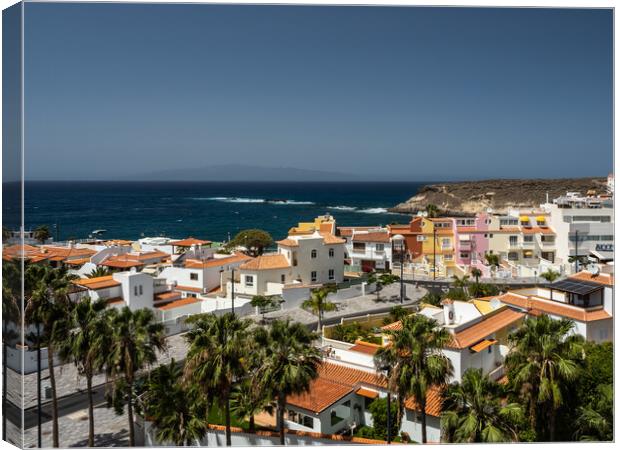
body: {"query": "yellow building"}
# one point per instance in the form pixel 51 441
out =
pixel 438 244
pixel 322 224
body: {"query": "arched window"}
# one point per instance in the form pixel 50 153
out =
pixel 313 254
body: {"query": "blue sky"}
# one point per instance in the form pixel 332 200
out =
pixel 411 93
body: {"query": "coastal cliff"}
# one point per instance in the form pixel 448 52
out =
pixel 470 197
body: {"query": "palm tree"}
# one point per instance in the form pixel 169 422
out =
pixel 289 362
pixel 431 210
pixel 550 275
pixel 88 340
pixel 174 409
pixel 473 411
pixel 99 271
pixel 249 398
pixel 136 339
pixel 11 313
pixel 380 280
pixel 318 303
pixel 460 283
pixel 415 360
pixel 543 360
pixel 476 273
pixel 216 358
pixel 47 291
pixel 595 421
pixel 492 259
pixel 42 233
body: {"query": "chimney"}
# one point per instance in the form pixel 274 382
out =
pixel 448 311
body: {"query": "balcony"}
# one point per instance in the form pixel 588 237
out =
pixel 465 245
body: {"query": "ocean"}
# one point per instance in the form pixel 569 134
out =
pixel 207 210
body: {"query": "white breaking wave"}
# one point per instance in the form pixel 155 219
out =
pixel 343 208
pixel 373 211
pixel 289 202
pixel 253 200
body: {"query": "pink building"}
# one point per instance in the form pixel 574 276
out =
pixel 471 241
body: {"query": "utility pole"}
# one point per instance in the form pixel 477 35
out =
pixel 232 295
pixel 402 263
pixel 39 438
pixel 576 250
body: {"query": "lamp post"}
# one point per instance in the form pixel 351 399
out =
pixel 399 242
pixel 232 292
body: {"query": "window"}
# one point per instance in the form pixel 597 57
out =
pixel 140 289
pixel 331 274
pixel 313 275
pixel 135 291
pixel 360 246
pixel 507 221
pixel 282 278
pixel 445 243
pixel 331 252
pixel 491 235
pixel 464 255
pixel 192 295
pixel 193 276
pixel 313 254
pixel 307 421
pixel 447 257
pixel 490 349
pixel 379 247
pixel 420 238
pixel 249 280
pixel 368 401
pixel 513 256
pixel 529 238
pixel 513 240
pixel 335 419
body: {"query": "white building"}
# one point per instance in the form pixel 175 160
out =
pixel 368 249
pixel 584 227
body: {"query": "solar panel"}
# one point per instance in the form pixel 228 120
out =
pixel 575 287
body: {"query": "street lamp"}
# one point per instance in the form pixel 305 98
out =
pixel 398 242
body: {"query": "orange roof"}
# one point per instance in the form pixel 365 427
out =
pixel 189 288
pixel 348 231
pixel 365 347
pixel 216 262
pixel 367 393
pixel 322 394
pixel 121 264
pixel 77 261
pixel 106 281
pixel 177 303
pixel 601 278
pixel 114 300
pixel 371 237
pixel 485 343
pixel 433 402
pixel 267 262
pixel 490 324
pixel 349 375
pixel 188 242
pixel 330 239
pixel 538 305
pixel 288 242
pixel 168 295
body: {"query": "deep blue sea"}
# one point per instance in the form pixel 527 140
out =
pixel 206 210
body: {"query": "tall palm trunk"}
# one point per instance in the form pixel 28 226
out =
pixel 423 417
pixel 251 426
pixel 91 411
pixel 227 413
pixel 280 412
pixel 132 439
pixel 50 368
pixel 4 373
pixel 552 415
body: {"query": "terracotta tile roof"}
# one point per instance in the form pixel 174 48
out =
pixel 467 229
pixel 188 242
pixel 127 260
pixel 433 402
pixel 267 262
pixel 67 251
pixel 485 343
pixel 392 326
pixel 601 278
pixel 330 239
pixel 117 242
pixel 216 262
pixel 348 231
pixel 327 227
pixel 490 324
pixel 114 301
pixel 77 261
pixel 322 394
pixel 288 242
pixel 121 264
pixel 189 288
pixel 371 237
pixel 349 375
pixel 168 295
pixel 539 305
pixel 365 347
pixel 367 393
pixel 178 303
pixel 97 283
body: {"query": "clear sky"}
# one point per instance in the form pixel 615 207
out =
pixel 413 93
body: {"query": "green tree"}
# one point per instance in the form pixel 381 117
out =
pixel 416 361
pixel 432 211
pixel 290 362
pixel 46 291
pixel 260 302
pixel 6 234
pixel 249 399
pixel 99 271
pixel 544 360
pixel 318 304
pixel 476 273
pixel 136 339
pixel 473 411
pixel 218 349
pixel 177 412
pixel 88 340
pixel 550 275
pixel 254 240
pixel 595 421
pixel 396 313
pixel 492 259
pixel 42 233
pixel 431 298
pixel 378 410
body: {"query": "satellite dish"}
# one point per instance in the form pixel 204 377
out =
pixel 489 210
pixel 593 269
pixel 495 303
